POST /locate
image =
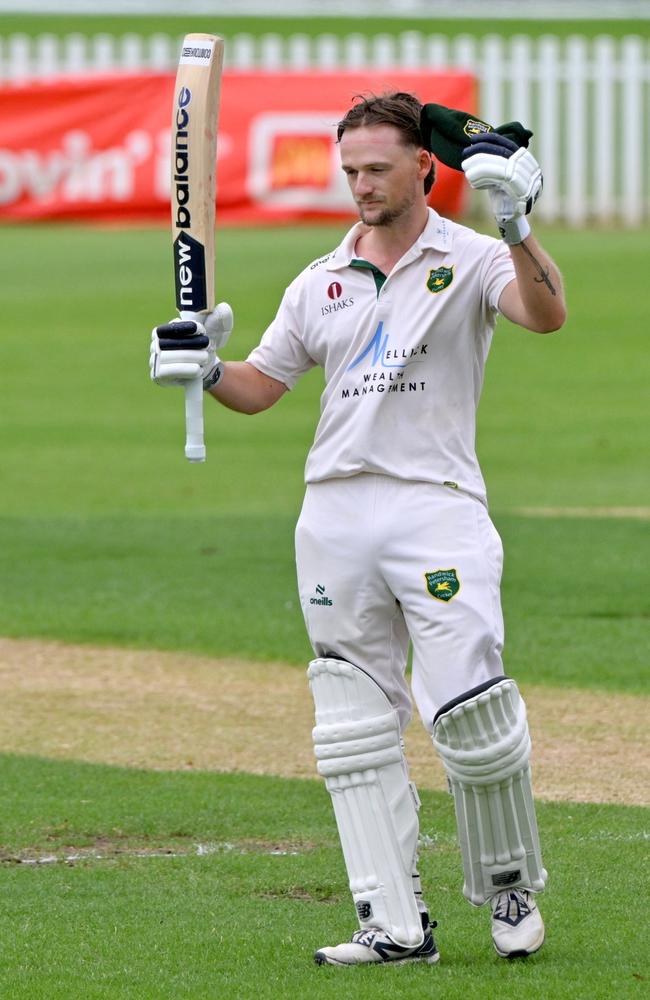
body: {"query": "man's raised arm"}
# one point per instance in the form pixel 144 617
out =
pixel 513 180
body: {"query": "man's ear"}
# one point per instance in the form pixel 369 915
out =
pixel 424 161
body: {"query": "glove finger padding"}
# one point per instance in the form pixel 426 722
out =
pixel 490 142
pixel 174 361
pixel 195 343
pixel 180 328
pixel 518 176
pixel 176 370
pixel 181 335
pixel 185 349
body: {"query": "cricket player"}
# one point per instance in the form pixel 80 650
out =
pixel 394 544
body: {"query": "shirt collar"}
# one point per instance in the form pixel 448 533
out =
pixel 436 235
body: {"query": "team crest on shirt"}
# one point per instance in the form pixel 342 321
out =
pixel 440 278
pixel 443 584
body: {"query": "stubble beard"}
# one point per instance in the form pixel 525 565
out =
pixel 387 216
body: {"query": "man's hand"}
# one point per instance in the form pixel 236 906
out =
pixel 185 349
pixel 511 176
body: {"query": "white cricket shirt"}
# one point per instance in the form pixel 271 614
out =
pixel 403 360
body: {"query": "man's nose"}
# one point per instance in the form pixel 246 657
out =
pixel 363 184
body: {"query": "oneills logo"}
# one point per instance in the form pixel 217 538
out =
pixel 322 598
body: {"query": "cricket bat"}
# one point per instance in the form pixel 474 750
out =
pixel 195 116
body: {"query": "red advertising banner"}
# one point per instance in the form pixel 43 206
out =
pixel 98 148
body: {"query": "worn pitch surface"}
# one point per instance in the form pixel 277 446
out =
pixel 174 711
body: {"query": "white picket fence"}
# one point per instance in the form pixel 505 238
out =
pixel 586 100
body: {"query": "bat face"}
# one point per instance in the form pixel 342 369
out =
pixel 194 138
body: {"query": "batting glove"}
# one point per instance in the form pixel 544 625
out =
pixel 512 177
pixel 185 349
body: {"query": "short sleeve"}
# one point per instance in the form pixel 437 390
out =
pixel 498 271
pixel 281 353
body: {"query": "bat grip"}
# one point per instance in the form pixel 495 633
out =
pixel 194 446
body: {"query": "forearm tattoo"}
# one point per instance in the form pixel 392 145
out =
pixel 543 272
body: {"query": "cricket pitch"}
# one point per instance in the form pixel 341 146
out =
pixel 169 711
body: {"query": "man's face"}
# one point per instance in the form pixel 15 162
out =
pixel 385 176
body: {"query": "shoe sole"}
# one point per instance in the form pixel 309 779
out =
pixel 522 953
pixel 321 959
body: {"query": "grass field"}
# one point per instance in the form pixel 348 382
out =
pixel 63 24
pixel 203 885
pixel 93 471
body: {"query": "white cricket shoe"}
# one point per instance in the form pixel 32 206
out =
pixel 375 945
pixel 517 925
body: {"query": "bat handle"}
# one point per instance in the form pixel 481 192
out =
pixel 194 446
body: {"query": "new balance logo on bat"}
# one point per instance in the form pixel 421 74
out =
pixel 189 273
pixel 189 254
pixel 183 218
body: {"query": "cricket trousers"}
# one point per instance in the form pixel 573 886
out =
pixel 383 563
